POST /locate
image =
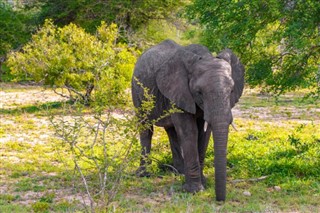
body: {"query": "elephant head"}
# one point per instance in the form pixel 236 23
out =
pixel 213 84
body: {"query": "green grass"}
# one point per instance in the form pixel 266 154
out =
pixel 38 109
pixel 37 173
pixel 297 100
pixel 262 107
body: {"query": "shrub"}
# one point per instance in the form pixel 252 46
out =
pixel 40 206
pixel 86 66
pixel 102 147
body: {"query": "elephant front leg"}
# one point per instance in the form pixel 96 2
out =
pixel 145 141
pixel 187 131
pixel 175 149
pixel 203 141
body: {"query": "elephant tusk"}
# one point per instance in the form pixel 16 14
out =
pixel 205 126
pixel 182 155
pixel 234 127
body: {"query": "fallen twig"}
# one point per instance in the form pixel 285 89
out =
pixel 250 179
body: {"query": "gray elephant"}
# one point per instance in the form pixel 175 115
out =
pixel 205 88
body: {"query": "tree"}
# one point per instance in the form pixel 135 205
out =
pixel 129 14
pixel 278 41
pixel 81 63
pixel 15 30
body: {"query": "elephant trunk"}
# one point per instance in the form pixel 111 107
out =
pixel 220 137
pixel 220 118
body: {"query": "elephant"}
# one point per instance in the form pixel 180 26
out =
pixel 204 88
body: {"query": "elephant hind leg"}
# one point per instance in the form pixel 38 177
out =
pixel 145 141
pixel 175 149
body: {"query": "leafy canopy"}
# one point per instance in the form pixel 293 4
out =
pixel 14 28
pixel 129 14
pixel 81 63
pixel 141 23
pixel 278 41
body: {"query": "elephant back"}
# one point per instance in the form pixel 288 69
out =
pixel 151 60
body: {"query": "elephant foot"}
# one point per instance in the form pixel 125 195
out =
pixel 142 172
pixel 193 187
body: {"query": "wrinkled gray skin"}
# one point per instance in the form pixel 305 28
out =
pixel 205 88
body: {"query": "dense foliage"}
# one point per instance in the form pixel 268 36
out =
pixel 141 23
pixel 277 40
pixel 129 14
pixel 14 28
pixel 79 62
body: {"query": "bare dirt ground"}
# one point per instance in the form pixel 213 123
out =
pixel 30 129
pixel 14 95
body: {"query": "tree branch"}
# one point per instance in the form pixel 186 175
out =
pixel 250 179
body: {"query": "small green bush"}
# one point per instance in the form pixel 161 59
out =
pixel 40 206
pixel 48 198
pixel 86 66
pixel 7 198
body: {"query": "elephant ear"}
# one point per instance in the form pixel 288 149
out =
pixel 237 74
pixel 172 79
